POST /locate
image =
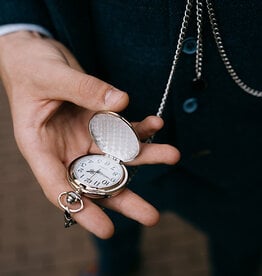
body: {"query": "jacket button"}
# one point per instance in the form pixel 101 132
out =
pixel 190 105
pixel 189 46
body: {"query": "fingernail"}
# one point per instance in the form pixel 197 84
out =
pixel 113 96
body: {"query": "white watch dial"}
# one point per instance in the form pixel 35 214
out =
pixel 97 171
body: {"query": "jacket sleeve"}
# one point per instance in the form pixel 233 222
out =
pixel 25 12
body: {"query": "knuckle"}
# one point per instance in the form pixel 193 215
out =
pixel 92 88
pixel 85 83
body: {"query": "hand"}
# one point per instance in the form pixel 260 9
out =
pixel 52 101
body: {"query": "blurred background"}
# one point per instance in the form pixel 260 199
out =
pixel 33 240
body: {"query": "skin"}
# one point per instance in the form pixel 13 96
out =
pixel 51 100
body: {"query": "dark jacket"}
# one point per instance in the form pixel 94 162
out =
pixel 131 44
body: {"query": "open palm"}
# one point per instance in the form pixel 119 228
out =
pixel 52 101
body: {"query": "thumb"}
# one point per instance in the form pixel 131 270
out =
pixel 87 91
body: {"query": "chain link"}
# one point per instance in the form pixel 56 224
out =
pixel 199 49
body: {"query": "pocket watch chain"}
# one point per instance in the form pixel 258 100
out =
pixel 199 50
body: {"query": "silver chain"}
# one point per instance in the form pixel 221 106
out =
pixel 181 38
pixel 224 56
pixel 199 50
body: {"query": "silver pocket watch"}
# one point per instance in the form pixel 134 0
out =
pixel 101 175
pixel 105 175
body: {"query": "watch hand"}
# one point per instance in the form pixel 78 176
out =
pixel 98 171
pixel 104 175
pixel 93 172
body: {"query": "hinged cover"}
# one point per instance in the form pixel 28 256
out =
pixel 114 135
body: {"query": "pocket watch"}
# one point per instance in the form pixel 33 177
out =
pixel 105 175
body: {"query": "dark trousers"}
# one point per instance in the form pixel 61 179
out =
pixel 233 227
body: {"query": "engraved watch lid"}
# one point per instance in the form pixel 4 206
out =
pixel 114 135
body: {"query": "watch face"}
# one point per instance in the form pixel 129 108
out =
pixel 97 173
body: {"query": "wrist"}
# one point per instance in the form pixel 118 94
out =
pixel 12 49
pixel 11 42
